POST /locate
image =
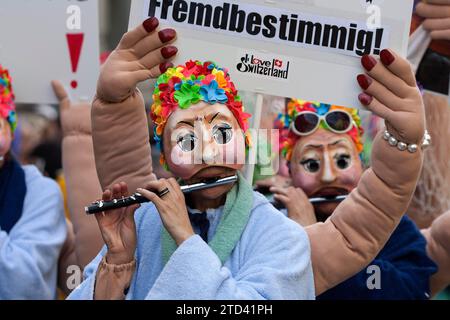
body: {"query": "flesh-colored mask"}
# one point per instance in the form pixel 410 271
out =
pixel 204 141
pixel 325 164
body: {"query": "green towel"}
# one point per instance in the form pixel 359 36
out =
pixel 235 216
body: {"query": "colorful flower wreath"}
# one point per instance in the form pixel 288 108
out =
pixel 288 139
pixel 186 85
pixel 7 106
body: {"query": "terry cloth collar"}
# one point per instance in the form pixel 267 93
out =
pixel 236 214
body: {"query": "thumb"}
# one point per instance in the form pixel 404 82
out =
pixel 61 94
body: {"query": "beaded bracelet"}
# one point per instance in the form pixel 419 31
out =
pixel 402 146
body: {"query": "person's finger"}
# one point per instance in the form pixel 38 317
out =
pixel 156 58
pixel 437 24
pixel 153 197
pixel 116 191
pixel 395 64
pixel 106 195
pixel 154 41
pixel 379 72
pixel 433 10
pixel 277 190
pixel 156 186
pixel 281 198
pixel 444 2
pixel 61 95
pixel 379 92
pixel 175 187
pixel 265 183
pixel 375 106
pixel 124 189
pixel 153 73
pixel 440 35
pixel 132 37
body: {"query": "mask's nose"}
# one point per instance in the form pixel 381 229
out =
pixel 209 147
pixel 328 170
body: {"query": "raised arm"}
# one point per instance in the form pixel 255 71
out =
pixel 119 122
pixel 438 249
pixel 80 174
pixel 361 225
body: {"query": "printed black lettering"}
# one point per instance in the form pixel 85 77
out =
pixel 200 14
pixel 237 21
pixel 364 42
pixel 336 33
pixel 179 13
pixel 284 20
pixel 269 31
pixel 221 14
pixel 152 7
pixel 254 22
pixel 165 8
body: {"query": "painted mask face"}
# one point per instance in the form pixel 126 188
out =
pixel 325 164
pixel 5 137
pixel 204 141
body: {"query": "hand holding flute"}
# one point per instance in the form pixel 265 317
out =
pixel 118 227
pixel 299 207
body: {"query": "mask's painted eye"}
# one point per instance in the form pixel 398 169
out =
pixel 222 133
pixel 311 165
pixel 343 161
pixel 187 142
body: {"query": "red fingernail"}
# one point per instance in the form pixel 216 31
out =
pixel 169 51
pixel 365 99
pixel 364 81
pixel 167 35
pixel 164 66
pixel 368 62
pixel 150 24
pixel 387 57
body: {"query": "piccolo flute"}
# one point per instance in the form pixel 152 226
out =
pixel 137 198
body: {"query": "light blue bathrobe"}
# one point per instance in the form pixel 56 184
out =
pixel 270 261
pixel 29 253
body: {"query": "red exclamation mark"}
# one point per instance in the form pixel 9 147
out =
pixel 75 43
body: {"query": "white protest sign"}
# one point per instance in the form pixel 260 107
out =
pixel 309 49
pixel 44 40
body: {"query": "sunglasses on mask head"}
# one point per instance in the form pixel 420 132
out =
pixel 306 122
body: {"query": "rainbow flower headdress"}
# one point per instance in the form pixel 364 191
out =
pixel 7 106
pixel 186 85
pixel 288 138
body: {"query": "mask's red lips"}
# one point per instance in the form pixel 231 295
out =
pixel 211 173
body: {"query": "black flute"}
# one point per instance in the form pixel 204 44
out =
pixel 137 198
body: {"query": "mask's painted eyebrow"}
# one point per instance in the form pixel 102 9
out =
pixel 186 122
pixel 215 116
pixel 337 142
pixel 315 146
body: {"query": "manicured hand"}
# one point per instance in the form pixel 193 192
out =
pixel 390 91
pixel 297 203
pixel 171 208
pixel 437 18
pixel 142 54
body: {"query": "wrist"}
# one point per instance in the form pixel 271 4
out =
pixel 118 258
pixel 183 237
